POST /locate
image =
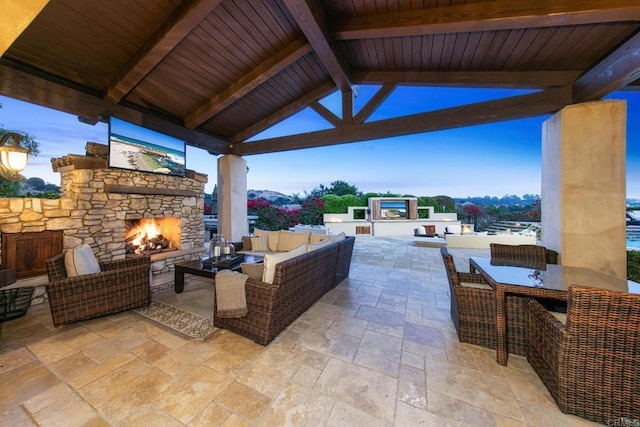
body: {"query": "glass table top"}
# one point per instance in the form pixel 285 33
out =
pixel 553 277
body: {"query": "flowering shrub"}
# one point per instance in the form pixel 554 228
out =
pixel 312 212
pixel 271 217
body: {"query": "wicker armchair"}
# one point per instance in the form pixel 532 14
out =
pixel 591 365
pixel 473 305
pixel 121 285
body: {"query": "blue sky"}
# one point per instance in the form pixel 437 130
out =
pixel 495 159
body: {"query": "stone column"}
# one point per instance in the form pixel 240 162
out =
pixel 232 197
pixel 584 186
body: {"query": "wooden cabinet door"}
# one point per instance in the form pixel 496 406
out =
pixel 27 252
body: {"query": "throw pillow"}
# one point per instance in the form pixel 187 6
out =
pixel 246 243
pixel 315 237
pixel 321 244
pixel 271 260
pixel 80 261
pixel 289 240
pixel 253 269
pixel 338 237
pixel 273 237
pixel 260 244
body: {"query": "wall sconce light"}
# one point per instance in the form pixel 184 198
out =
pixel 13 157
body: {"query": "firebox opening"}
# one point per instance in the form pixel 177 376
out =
pixel 150 236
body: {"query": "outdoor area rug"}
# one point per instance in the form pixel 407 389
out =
pixel 189 313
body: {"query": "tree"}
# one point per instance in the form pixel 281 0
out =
pixel 341 188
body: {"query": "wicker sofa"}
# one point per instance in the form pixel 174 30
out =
pixel 298 283
pixel 121 285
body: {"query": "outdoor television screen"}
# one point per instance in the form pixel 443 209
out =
pixel 136 148
pixel 393 209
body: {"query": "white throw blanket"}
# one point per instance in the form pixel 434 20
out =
pixel 231 298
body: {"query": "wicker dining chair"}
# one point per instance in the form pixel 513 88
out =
pixel 530 256
pixel 473 305
pixel 591 365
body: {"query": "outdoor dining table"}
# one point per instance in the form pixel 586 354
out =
pixel 551 282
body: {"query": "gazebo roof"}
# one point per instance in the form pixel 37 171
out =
pixel 217 72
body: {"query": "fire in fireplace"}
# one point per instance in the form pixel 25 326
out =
pixel 150 236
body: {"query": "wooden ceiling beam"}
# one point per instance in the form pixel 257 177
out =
pixel 280 115
pixel 326 114
pixel 374 102
pixel 186 17
pixel 485 16
pixel 313 25
pixel 488 79
pixel 269 68
pixel 544 102
pixel 347 107
pixel 613 73
pixel 28 85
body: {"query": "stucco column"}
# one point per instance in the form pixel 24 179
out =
pixel 584 185
pixel 232 197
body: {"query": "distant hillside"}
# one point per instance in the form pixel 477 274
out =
pixel 273 197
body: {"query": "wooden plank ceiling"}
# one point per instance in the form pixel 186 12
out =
pixel 218 72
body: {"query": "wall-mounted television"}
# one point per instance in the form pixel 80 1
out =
pixel 137 148
pixel 396 209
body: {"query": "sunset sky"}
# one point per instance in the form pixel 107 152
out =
pixel 494 159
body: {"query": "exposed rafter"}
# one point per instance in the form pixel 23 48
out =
pixel 614 72
pixel 312 24
pixel 374 102
pixel 325 113
pixel 282 114
pixel 544 102
pixel 485 16
pixel 177 27
pixel 31 86
pixel 248 82
pixel 498 79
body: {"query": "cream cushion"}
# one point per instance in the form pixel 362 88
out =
pixel 476 285
pixel 260 244
pixel 321 244
pixel 562 317
pixel 289 240
pixel 80 261
pixel 271 260
pixel 315 237
pixel 454 229
pixel 273 238
pixel 253 269
pixel 338 237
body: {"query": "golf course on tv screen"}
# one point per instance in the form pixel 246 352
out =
pixel 134 147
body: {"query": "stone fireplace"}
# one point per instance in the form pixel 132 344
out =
pixel 97 203
pixel 151 236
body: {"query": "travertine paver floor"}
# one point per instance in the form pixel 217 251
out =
pixel 379 350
